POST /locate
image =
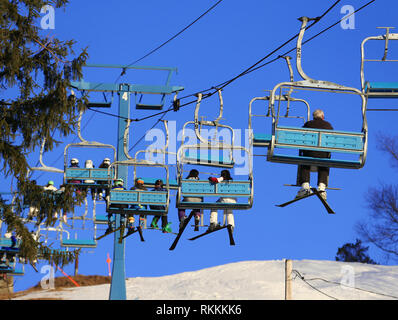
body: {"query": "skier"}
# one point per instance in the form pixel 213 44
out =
pixel 104 164
pixel 89 165
pixel 225 176
pixel 130 225
pixel 74 163
pixel 118 185
pixel 165 224
pixel 139 185
pixel 52 189
pixel 193 175
pixel 304 171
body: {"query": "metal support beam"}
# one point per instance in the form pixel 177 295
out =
pixel 118 284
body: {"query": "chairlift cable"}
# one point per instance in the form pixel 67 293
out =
pixel 172 38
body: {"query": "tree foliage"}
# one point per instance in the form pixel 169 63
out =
pixel 354 252
pixel 35 74
pixel 381 229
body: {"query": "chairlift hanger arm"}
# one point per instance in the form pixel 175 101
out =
pixel 43 166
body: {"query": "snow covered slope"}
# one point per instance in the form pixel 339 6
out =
pixel 253 280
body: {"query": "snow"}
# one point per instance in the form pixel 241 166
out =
pixel 252 280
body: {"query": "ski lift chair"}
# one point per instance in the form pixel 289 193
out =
pixel 374 89
pixel 137 201
pixel 334 141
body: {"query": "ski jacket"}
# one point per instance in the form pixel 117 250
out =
pixel 316 124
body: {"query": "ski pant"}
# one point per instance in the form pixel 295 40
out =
pixel 181 213
pixel 305 171
pixel 228 214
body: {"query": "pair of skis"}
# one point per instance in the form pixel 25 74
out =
pixel 138 229
pixel 314 192
pixel 186 221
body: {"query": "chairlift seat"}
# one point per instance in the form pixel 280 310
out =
pixel 96 174
pixel 99 104
pixel 6 242
pixel 261 140
pixel 203 159
pixel 9 249
pixel 141 106
pixel 4 268
pixel 203 188
pixel 101 219
pixel 140 198
pixel 318 140
pixel 17 272
pixel 79 243
pixel 381 89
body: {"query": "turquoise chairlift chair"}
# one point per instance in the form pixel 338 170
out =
pixel 136 201
pixel 203 151
pixel 216 154
pixel 337 142
pixel 133 202
pixel 86 174
pixel 375 89
pixel 263 139
pixel 149 153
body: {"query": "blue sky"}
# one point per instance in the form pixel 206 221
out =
pixel 222 44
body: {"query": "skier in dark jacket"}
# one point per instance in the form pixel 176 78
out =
pixel 304 171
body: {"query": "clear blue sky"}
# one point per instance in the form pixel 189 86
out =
pixel 222 44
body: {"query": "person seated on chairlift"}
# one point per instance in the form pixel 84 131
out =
pixel 159 186
pixel 130 225
pixel 50 187
pixel 304 171
pixel 214 224
pixel 193 175
pixel 104 165
pixel 139 185
pixel 74 163
pixel 89 165
pixel 118 185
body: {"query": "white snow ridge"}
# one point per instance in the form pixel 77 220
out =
pixel 253 280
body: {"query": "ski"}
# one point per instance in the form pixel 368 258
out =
pixel 208 232
pixel 174 244
pixel 160 229
pixel 140 233
pixel 318 194
pixel 104 235
pixel 231 237
pixel 138 229
pixel 34 267
pixel 122 227
pixel 294 200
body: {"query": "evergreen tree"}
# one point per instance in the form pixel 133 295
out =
pixel 351 252
pixel 35 73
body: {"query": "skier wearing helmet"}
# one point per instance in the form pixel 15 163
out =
pixel 74 163
pixel 104 164
pixel 118 185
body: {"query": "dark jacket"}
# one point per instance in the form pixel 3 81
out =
pixel 316 124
